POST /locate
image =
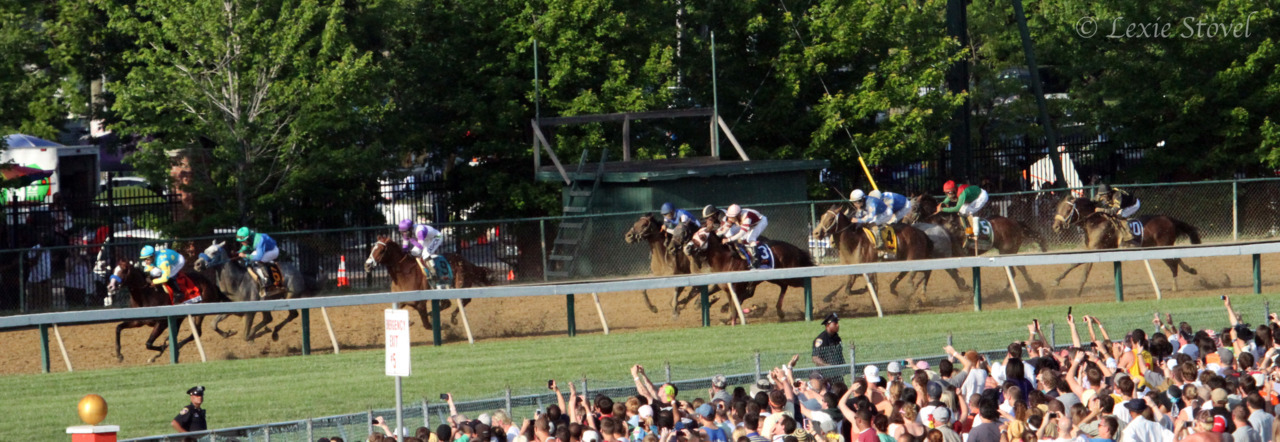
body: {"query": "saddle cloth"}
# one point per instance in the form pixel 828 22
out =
pixel 764 254
pixel 1135 227
pixel 275 279
pixel 983 232
pixel 890 238
pixel 187 289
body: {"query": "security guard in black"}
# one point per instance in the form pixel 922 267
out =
pixel 826 347
pixel 191 418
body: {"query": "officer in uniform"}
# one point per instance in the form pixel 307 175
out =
pixel 826 347
pixel 191 418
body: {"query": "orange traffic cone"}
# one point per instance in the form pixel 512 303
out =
pixel 342 272
pixel 511 275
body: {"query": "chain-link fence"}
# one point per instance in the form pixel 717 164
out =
pixel 739 371
pixel 44 276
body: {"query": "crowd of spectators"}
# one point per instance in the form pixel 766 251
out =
pixel 1170 383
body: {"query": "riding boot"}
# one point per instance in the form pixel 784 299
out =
pixel 1126 236
pixel 875 231
pixel 967 224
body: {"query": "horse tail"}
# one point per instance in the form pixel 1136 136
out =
pixel 806 259
pixel 1033 234
pixel 1187 229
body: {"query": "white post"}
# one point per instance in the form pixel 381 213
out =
pixel 600 310
pixel 191 324
pixel 1013 285
pixel 737 305
pixel 328 325
pixel 871 287
pixel 63 348
pixel 1152 275
pixel 465 324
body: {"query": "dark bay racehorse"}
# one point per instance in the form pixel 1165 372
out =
pixel 143 294
pixel 856 248
pixel 1007 236
pixel 235 282
pixel 662 262
pixel 1100 233
pixel 407 275
pixel 721 257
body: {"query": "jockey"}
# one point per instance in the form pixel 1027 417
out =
pixel 750 224
pixel 420 240
pixel 672 217
pixel 163 264
pixel 871 212
pixel 898 206
pixel 967 201
pixel 1120 205
pixel 257 248
pixel 712 217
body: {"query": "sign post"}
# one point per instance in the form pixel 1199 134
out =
pixel 396 322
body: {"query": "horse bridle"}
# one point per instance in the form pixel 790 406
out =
pixel 830 230
pixel 1075 213
pixel 384 246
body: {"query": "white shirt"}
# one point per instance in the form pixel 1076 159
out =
pixel 42 269
pixel 1262 422
pixel 975 382
pixel 1140 429
pixel 997 371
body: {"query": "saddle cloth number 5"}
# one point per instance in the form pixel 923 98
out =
pixel 984 227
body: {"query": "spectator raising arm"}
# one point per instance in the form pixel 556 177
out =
pixel 643 386
pixel 1075 335
pixel 1231 314
pixel 453 411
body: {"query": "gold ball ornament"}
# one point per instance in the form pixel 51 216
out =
pixel 92 409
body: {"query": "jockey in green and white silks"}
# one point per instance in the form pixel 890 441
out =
pixel 255 249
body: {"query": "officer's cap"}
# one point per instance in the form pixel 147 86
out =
pixel 831 318
pixel 196 391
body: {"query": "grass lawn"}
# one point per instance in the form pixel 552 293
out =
pixel 142 400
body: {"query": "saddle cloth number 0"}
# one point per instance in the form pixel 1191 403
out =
pixel 1135 227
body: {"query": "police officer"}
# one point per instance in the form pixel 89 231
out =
pixel 191 418
pixel 826 347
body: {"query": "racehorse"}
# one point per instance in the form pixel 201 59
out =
pixel 721 257
pixel 407 275
pixel 1007 236
pixel 143 294
pixel 662 261
pixel 233 278
pixel 855 247
pixel 1100 233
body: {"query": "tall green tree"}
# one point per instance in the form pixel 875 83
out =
pixel 272 96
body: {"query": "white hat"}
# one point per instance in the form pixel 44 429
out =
pixel 856 195
pixel 872 373
pixel 894 367
pixel 484 419
pixel 645 411
pixel 590 436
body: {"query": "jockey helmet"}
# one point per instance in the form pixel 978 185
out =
pixel 1104 189
pixel 667 208
pixel 709 211
pixel 406 225
pixel 243 234
pixel 874 194
pixel 948 186
pixel 733 211
pixel 147 252
pixel 856 195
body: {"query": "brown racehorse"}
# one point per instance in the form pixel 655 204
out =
pixel 407 275
pixel 661 261
pixel 143 294
pixel 1007 236
pixel 856 248
pixel 721 257
pixel 1100 233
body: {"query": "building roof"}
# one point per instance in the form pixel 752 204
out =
pixel 680 168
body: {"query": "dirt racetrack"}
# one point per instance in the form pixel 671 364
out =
pixel 92 346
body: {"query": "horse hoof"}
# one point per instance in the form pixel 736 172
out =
pixel 119 358
pixel 275 336
pixel 652 309
pixel 153 359
pixel 1191 271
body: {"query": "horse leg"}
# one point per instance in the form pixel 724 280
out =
pixel 263 326
pixel 1083 279
pixel 1186 267
pixel 955 276
pixel 675 303
pixel 248 326
pixel 1173 268
pixel 156 330
pixel 119 328
pixel 224 333
pixel 645 294
pixel 275 333
pixel 1027 276
pixel 423 312
pixel 893 286
pixel 1058 281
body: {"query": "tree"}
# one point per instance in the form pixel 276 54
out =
pixel 274 95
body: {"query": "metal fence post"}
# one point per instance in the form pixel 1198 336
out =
pixel 310 430
pixel 22 280
pixel 573 325
pixel 1235 210
pixel 950 340
pixel 44 348
pixel 369 422
pixel 757 366
pixel 266 433
pixel 435 323
pixel 173 339
pixel 585 391
pixel 1257 274
pixel 306 335
pixel 1053 335
pixel 1119 282
pixel 667 366
pixel 853 362
pixel 507 397
pixel 542 230
pixel 705 299
pixel 426 415
pixel 977 289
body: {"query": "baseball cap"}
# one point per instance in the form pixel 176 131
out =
pixel 809 403
pixel 941 415
pixel 922 365
pixel 872 373
pixel 645 411
pixel 1088 395
pixel 484 419
pixel 590 436
pixel 761 385
pixel 824 422
pixel 705 411
pixel 196 391
pixel 894 367
pixel 1219 424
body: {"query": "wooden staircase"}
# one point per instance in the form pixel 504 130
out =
pixel 572 231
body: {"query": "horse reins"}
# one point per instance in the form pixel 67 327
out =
pixel 1075 212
